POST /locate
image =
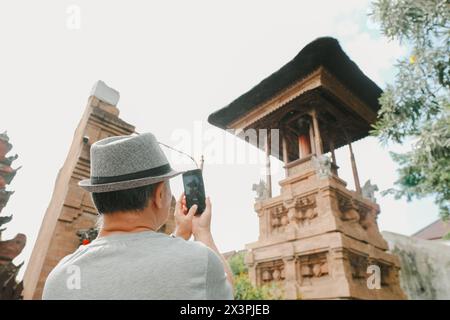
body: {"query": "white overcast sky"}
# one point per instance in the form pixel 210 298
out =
pixel 174 62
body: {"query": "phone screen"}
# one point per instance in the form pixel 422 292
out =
pixel 194 189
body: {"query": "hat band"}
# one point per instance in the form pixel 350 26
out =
pixel 153 172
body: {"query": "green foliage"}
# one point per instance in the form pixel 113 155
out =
pixel 244 289
pixel 417 105
pixel 237 264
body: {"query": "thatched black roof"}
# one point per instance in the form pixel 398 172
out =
pixel 325 52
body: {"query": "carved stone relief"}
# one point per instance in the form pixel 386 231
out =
pixel 347 208
pixel 354 211
pixel 299 211
pixel 278 219
pixel 312 266
pixel 358 265
pixel 270 271
pixel 359 268
pixel 306 209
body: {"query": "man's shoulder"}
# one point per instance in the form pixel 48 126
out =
pixel 176 257
pixel 191 247
pixel 56 279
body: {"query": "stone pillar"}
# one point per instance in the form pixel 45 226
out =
pixel 317 138
pixel 290 281
pixel 264 221
pixel 311 140
pixel 285 151
pixel 291 230
pixel 333 155
pixel 354 169
pixel 304 147
pixel 268 173
pixel 250 262
pixel 340 271
pixel 304 136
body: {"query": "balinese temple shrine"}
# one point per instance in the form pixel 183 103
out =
pixel 317 239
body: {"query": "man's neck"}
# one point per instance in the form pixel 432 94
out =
pixel 126 222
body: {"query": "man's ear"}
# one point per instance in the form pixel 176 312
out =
pixel 158 195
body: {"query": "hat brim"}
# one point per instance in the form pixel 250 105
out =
pixel 124 185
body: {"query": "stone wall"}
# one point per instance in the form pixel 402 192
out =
pixel 425 266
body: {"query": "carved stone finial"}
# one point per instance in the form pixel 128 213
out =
pixel 323 166
pixel 261 190
pixel 104 93
pixel 368 191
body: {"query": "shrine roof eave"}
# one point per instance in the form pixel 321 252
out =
pixel 323 52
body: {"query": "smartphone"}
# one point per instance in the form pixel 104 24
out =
pixel 194 190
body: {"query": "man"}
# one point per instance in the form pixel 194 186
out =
pixel 129 259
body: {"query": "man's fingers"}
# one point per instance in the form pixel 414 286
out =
pixel 178 204
pixel 208 205
pixel 192 211
pixel 183 204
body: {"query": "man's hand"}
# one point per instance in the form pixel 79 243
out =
pixel 183 218
pixel 201 224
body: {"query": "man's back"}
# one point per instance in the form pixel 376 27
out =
pixel 143 265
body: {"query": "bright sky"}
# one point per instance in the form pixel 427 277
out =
pixel 174 62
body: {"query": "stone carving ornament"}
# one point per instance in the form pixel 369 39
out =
pixel 322 164
pixel 261 190
pixel 279 218
pixel 272 271
pixel 306 208
pixel 368 191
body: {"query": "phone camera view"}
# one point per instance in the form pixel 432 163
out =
pixel 194 190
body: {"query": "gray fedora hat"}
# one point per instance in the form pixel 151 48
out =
pixel 126 162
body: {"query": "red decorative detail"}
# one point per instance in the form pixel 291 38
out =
pixel 85 242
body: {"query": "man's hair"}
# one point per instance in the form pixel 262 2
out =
pixel 135 199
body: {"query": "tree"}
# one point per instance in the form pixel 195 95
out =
pixel 244 289
pixel 416 107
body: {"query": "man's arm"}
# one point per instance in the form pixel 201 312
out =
pixel 208 241
pixel 187 223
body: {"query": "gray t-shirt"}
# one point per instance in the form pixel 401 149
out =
pixel 143 265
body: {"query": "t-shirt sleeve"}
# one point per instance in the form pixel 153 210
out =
pixel 217 284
